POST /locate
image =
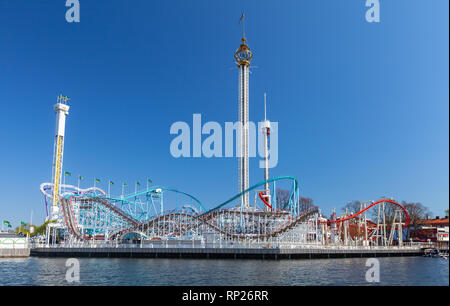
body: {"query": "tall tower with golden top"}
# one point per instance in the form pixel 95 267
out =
pixel 243 57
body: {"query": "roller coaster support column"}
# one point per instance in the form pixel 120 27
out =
pixel 399 228
pixel 400 234
pixel 366 240
pixel 345 229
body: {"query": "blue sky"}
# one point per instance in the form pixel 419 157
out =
pixel 362 107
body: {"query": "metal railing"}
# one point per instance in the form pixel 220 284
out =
pixel 224 245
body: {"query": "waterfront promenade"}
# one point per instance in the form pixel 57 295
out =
pixel 225 252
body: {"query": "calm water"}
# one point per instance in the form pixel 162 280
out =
pixel 109 271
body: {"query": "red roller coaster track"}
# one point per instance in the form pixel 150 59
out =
pixel 370 206
pixel 262 194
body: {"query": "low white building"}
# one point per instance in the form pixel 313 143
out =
pixel 13 241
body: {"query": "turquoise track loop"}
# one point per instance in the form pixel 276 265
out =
pixel 165 189
pixel 126 199
pixel 293 189
pixel 292 197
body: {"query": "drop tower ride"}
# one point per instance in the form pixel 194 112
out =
pixel 62 110
pixel 243 56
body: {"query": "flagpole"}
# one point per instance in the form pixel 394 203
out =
pixel 109 188
pixel 78 183
pixel 243 25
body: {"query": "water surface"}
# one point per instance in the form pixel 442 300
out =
pixel 200 272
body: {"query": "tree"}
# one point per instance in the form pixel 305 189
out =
pixel 282 198
pixel 356 206
pixel 416 212
pixel 23 229
pixel 305 203
pixel 352 207
pixel 41 229
pixel 38 230
pixel 446 212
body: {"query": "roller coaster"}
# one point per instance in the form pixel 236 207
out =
pixel 161 214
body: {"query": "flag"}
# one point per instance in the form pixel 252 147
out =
pixel 81 178
pixel 67 173
pixel 62 98
pixel 97 180
pixel 149 180
pixel 138 184
pixel 125 184
pixel 242 18
pixel 111 182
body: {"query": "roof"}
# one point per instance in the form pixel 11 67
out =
pixel 441 222
pixel 9 235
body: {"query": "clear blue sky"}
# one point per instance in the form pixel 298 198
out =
pixel 363 109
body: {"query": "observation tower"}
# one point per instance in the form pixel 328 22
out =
pixel 243 57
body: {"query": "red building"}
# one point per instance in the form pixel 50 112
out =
pixel 435 230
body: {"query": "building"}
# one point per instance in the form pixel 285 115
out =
pixel 434 230
pixel 12 245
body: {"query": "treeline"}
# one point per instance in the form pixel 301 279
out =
pixel 38 230
pixel 283 198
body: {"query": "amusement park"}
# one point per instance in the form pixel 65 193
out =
pixel 256 217
pixel 208 146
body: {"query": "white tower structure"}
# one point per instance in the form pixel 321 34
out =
pixel 266 132
pixel 243 56
pixel 62 110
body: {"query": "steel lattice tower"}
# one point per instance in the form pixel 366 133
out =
pixel 243 56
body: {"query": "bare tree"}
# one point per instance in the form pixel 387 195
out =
pixel 352 207
pixel 416 212
pixel 305 203
pixel 282 198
